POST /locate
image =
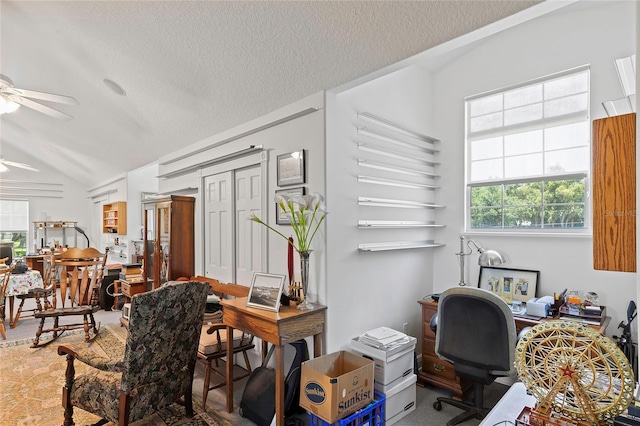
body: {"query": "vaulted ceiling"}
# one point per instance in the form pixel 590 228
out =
pixel 192 69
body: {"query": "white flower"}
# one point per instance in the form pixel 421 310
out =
pixel 303 211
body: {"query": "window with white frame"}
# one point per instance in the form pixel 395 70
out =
pixel 14 225
pixel 528 155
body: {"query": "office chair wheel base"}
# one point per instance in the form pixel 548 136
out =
pixel 437 406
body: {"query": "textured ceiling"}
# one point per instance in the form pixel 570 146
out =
pixel 194 69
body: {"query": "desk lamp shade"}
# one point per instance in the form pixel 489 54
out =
pixel 6 250
pixel 490 258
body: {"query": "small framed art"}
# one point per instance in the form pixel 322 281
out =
pixel 291 168
pixel 281 217
pixel 518 285
pixel 265 291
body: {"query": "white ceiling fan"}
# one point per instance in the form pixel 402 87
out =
pixel 12 97
pixel 4 163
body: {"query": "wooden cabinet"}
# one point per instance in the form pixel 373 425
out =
pixel 436 371
pixel 114 218
pixel 169 245
pixel 614 193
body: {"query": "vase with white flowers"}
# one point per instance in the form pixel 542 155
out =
pixel 306 213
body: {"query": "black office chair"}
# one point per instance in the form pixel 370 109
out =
pixel 475 331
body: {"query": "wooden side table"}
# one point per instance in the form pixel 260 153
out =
pixel 277 328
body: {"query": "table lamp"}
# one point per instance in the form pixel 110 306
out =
pixel 487 257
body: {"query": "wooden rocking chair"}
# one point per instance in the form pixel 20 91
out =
pixel 80 272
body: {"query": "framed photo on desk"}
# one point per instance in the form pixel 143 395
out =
pixel 510 284
pixel 265 291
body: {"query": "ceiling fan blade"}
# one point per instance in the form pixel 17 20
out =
pixel 44 96
pixel 42 108
pixel 19 165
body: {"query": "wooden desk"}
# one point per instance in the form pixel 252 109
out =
pixel 438 372
pixel 277 328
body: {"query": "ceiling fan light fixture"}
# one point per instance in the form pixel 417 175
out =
pixel 6 106
pixel 3 168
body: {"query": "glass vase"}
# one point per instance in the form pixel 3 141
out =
pixel 304 276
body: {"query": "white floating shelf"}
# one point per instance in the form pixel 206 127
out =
pixel 365 131
pixel 390 154
pixel 405 204
pixel 369 224
pixel 383 122
pixel 399 245
pixel 392 182
pixel 395 169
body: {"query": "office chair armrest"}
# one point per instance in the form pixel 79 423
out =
pixel 522 333
pixel 433 324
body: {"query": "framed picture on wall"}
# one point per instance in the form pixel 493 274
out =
pixel 291 168
pixel 281 217
pixel 265 291
pixel 510 284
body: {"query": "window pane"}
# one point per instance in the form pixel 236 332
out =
pixel 523 166
pixel 564 216
pixel 564 191
pixel 486 196
pixel 523 217
pixel 14 215
pixel 560 202
pixel 486 218
pixel 484 122
pixel 567 161
pixel 486 148
pixel 485 105
pixel 567 136
pixel 19 240
pixel 523 114
pixel 563 106
pixel 523 96
pixel 523 143
pixel 565 86
pixel 523 194
pixel 486 170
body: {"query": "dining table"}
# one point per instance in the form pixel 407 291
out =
pixel 20 284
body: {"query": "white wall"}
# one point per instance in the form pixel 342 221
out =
pixel 597 36
pixel 366 290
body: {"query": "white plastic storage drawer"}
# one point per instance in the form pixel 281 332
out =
pixel 389 365
pixel 400 400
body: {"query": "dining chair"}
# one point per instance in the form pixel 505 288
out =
pixel 80 272
pixel 213 339
pixel 5 275
pixel 40 295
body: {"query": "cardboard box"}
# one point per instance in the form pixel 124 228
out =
pixel 336 385
pixel 400 400
pixel 391 365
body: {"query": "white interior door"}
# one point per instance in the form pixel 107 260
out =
pixel 219 226
pixel 233 244
pixel 248 196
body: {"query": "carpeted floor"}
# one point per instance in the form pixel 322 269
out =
pixel 32 378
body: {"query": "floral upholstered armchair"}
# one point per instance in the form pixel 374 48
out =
pixel 154 368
